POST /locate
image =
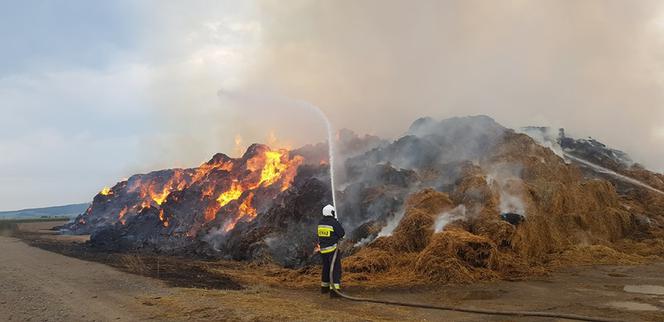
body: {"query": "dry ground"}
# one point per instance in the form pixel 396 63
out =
pixel 41 285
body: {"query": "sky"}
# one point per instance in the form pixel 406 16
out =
pixel 93 92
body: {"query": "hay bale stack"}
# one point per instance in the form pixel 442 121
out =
pixel 538 236
pixel 429 200
pixel 369 260
pixel 414 231
pixel 596 255
pixel 386 243
pixel 610 224
pixel 499 231
pixel 564 215
pixel 416 227
pixel 473 250
pixel 540 164
pixel 472 189
pixel 457 256
pixel 444 270
pixel 514 267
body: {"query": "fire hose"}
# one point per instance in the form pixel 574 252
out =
pixel 465 310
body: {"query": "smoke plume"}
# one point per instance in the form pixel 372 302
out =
pixel 374 66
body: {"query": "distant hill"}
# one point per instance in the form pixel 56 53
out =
pixel 58 211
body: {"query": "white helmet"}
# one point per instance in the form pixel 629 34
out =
pixel 328 211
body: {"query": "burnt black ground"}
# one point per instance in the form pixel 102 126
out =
pixel 175 271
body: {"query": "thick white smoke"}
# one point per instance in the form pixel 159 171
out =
pixel 592 67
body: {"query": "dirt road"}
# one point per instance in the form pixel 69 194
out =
pixel 39 285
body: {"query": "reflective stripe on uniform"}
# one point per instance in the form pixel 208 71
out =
pixel 324 284
pixel 328 249
pixel 337 286
pixel 325 230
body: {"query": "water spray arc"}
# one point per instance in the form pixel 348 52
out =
pixel 612 173
pixel 330 145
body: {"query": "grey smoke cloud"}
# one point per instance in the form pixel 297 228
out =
pixel 135 86
pixel 592 67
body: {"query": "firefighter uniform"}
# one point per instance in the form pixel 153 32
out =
pixel 329 234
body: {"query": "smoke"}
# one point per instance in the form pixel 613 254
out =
pixel 432 154
pixel 445 218
pixel 545 137
pixel 592 67
pixel 511 204
pixel 392 224
pixel 215 237
pixel 507 178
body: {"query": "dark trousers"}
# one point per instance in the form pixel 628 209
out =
pixel 336 278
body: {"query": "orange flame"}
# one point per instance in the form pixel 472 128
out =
pixel 291 172
pixel 208 191
pixel 164 222
pixel 244 210
pixel 159 197
pixel 232 194
pixel 270 168
pixel 154 192
pixel 273 168
pixel 106 191
pixel 211 212
pixel 121 215
pixel 206 168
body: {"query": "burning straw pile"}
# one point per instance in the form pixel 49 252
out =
pixel 457 200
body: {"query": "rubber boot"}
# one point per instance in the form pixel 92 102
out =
pixel 334 295
pixel 324 289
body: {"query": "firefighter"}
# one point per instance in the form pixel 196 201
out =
pixel 329 234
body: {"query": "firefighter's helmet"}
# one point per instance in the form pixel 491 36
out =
pixel 328 211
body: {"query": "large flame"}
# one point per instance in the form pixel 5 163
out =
pixel 274 166
pixel 267 169
pixel 156 192
pixel 275 169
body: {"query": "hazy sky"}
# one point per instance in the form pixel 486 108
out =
pixel 92 92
